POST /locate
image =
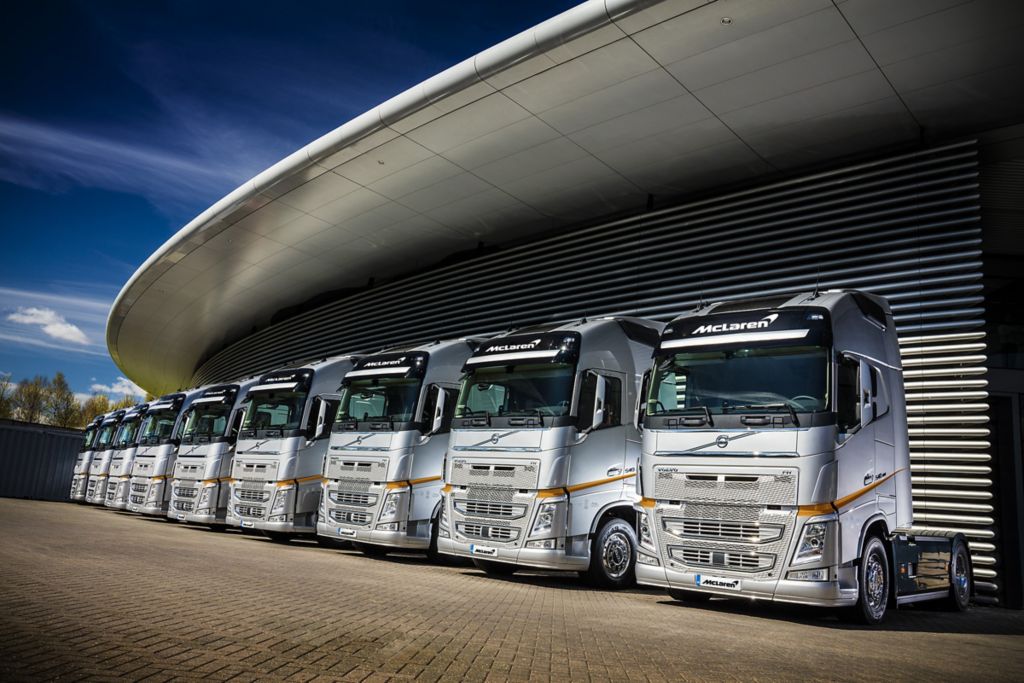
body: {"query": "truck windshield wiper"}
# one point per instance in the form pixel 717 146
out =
pixel 529 411
pixel 703 409
pixel 774 406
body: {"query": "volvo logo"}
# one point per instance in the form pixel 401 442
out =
pixel 722 441
pixel 494 438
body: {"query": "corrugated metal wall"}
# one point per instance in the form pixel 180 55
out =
pixel 36 461
pixel 906 227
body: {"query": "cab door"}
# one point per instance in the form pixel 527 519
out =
pixel 855 451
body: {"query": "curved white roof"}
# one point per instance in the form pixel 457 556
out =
pixel 584 115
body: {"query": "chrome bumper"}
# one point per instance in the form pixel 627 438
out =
pixel 392 539
pixel 541 558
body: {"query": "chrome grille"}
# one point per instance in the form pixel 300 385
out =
pixel 250 496
pixel 735 489
pixel 721 559
pixel 503 476
pixel 481 508
pixel 184 505
pixel 353 498
pixel 351 517
pixel 139 488
pixel 185 492
pixel 487 532
pixel 721 529
pixel 138 500
pixel 249 511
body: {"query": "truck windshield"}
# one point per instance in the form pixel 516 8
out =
pixel 106 436
pixel 90 432
pixel 157 427
pixel 379 398
pixel 126 433
pixel 502 391
pixel 275 410
pixel 742 379
pixel 206 420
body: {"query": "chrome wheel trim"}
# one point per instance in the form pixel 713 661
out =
pixel 875 588
pixel 616 553
pixel 961 584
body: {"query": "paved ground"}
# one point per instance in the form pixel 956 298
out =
pixel 90 593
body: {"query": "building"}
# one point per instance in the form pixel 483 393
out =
pixel 639 157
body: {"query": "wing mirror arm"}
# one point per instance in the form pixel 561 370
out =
pixel 597 420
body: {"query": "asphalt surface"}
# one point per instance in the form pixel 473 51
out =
pixel 88 593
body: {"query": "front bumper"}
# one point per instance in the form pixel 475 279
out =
pixel 541 558
pixel 838 592
pixel 251 506
pixel 392 539
pixel 96 489
pixel 117 493
pixel 79 483
pixel 148 496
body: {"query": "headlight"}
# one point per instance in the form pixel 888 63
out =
pixel 443 520
pixel 204 495
pixel 282 500
pixel 323 503
pixel 812 543
pixel 390 507
pixel 544 522
pixel 646 539
pixel 154 490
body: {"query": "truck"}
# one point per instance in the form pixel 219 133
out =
pixel 385 459
pixel 775 461
pixel 80 473
pixel 276 472
pixel 153 467
pixel 99 468
pixel 199 490
pixel 542 450
pixel 126 444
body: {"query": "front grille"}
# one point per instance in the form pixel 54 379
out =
pixel 353 498
pixel 488 533
pixel 139 488
pixel 351 517
pixel 481 508
pixel 184 505
pixel 249 511
pixel 730 489
pixel 138 500
pixel 750 532
pixel 721 559
pixel 252 496
pixel 111 492
pixel 183 492
pixel 499 476
pixel 91 488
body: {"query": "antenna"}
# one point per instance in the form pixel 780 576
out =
pixel 817 281
pixel 700 303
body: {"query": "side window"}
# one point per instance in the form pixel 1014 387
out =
pixel 612 401
pixel 847 394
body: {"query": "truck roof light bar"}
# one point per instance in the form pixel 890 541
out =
pixel 275 386
pixel 209 399
pixel 739 338
pixel 521 355
pixel 374 372
pixel 161 406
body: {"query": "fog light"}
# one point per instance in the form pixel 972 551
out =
pixel 809 575
pixel 443 533
pixel 643 558
pixel 279 518
pixel 390 526
pixel 546 544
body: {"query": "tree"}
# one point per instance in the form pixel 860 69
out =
pixel 29 398
pixel 126 402
pixel 6 407
pixel 62 407
pixel 97 404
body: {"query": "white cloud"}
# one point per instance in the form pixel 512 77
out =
pixel 52 323
pixel 120 387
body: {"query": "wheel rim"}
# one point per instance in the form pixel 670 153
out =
pixel 961 583
pixel 616 554
pixel 875 589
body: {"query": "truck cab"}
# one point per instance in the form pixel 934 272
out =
pixel 775 461
pixel 542 451
pixel 199 491
pixel 279 457
pixel 99 468
pixel 126 443
pixel 80 474
pixel 385 461
pixel 157 450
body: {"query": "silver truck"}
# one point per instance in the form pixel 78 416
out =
pixel 279 457
pixel 126 443
pixel 99 468
pixel 382 475
pixel 199 491
pixel 776 465
pixel 543 451
pixel 153 468
pixel 80 474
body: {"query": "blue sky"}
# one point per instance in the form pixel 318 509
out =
pixel 120 121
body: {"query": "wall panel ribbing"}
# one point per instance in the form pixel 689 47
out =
pixel 906 227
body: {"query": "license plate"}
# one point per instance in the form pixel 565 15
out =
pixel 705 581
pixel 483 550
pixel 346 532
pixel 247 524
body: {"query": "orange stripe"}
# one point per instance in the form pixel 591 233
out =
pixel 551 493
pixel 647 503
pixel 825 508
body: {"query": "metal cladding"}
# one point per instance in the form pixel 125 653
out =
pixel 906 227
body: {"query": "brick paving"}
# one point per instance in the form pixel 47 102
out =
pixel 91 594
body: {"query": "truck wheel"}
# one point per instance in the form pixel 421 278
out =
pixel 492 568
pixel 371 550
pixel 278 536
pixel 613 555
pixel 960 577
pixel 872 584
pixel 683 595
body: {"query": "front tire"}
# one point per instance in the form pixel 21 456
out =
pixel 961 578
pixel 613 555
pixel 873 584
pixel 492 568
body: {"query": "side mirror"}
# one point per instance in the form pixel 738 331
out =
pixel 600 386
pixel 641 401
pixel 867 406
pixel 320 408
pixel 439 405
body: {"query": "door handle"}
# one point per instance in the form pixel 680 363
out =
pixel 613 471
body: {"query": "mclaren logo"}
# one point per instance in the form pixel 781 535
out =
pixel 738 327
pixel 384 363
pixel 526 346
